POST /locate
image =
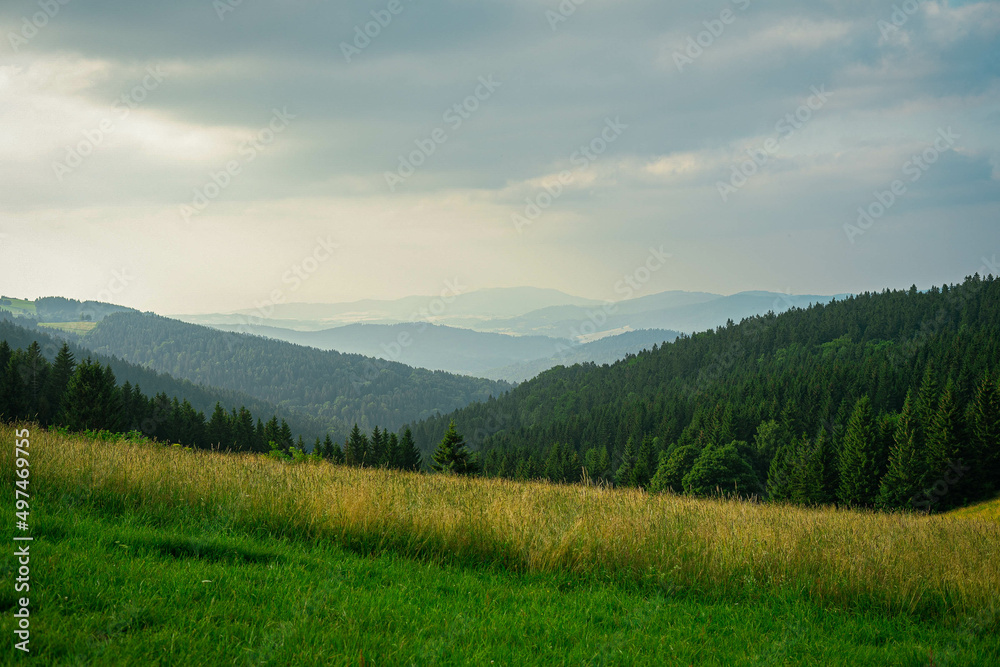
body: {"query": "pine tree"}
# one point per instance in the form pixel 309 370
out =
pixel 451 454
pixel 356 449
pixel 409 455
pixel 219 429
pixel 859 478
pixel 328 448
pixel 902 480
pixel 92 399
pixel 378 451
pixel 59 377
pixel 392 452
pixel 625 475
pixel 946 477
pixel 984 426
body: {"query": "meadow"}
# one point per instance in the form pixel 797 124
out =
pixel 156 553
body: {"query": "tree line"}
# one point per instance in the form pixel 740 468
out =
pixel 86 396
pixel 886 400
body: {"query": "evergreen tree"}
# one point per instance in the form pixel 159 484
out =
pixel 409 455
pixel 92 399
pixel 58 381
pixel 356 449
pixel 984 426
pixel 220 432
pixel 598 463
pixel 328 448
pixel 392 452
pixel 946 453
pixel 378 449
pixel 859 473
pixel 625 475
pixel 902 480
pixel 451 454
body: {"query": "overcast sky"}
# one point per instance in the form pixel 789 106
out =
pixel 194 156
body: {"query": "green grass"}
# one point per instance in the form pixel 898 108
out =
pixel 988 510
pixel 148 554
pixel 127 589
pixel 18 306
pixel 81 328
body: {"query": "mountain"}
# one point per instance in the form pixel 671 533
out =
pixel 863 401
pixel 339 389
pixel 605 350
pixel 21 332
pixel 419 344
pixel 453 306
pixel 678 311
pixel 60 309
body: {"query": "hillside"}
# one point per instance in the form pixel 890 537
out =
pixel 862 401
pixel 605 350
pixel 336 388
pixel 418 344
pixel 19 333
pixel 679 311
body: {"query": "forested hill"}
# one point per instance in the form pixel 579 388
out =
pixel 817 391
pixel 19 333
pixel 340 389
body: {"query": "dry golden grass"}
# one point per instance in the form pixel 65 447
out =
pixel 937 565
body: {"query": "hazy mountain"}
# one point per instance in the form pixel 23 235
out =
pixel 420 344
pixel 606 350
pixel 452 306
pixel 20 332
pixel 678 311
pixel 340 389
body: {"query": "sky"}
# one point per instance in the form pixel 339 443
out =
pixel 210 155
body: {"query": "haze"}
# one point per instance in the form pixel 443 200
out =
pixel 194 156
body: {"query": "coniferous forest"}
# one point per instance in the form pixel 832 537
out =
pixel 887 400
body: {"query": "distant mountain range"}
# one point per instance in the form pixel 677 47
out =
pixel 523 311
pixel 507 334
pixel 485 354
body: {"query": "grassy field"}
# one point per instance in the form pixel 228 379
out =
pixel 18 306
pixel 151 554
pixel 72 327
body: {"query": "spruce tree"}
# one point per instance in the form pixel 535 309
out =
pixel 58 380
pixel 859 480
pixel 409 455
pixel 902 480
pixel 625 475
pixel 92 399
pixel 947 470
pixel 451 455
pixel 984 427
pixel 356 449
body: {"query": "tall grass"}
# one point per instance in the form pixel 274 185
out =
pixel 937 566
